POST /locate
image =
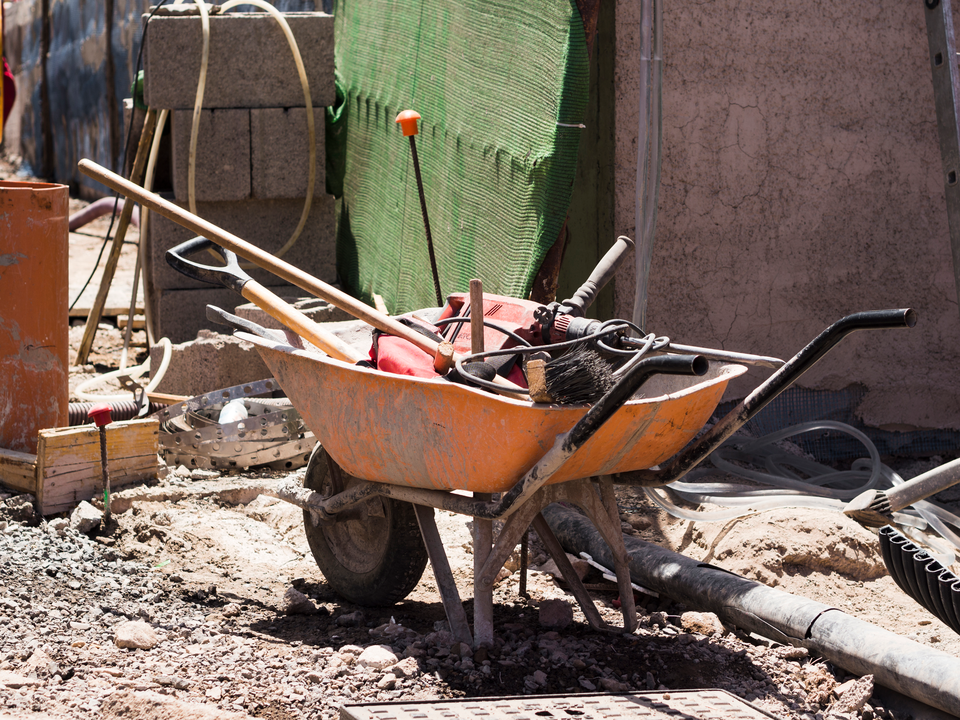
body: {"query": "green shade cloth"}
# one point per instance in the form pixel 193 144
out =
pixel 492 79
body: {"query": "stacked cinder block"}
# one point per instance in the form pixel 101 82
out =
pixel 252 150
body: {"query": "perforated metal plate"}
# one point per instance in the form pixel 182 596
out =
pixel 687 704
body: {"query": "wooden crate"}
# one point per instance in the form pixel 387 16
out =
pixel 66 468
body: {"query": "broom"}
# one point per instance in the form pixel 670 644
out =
pixel 581 375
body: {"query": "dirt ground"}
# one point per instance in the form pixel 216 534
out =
pixel 196 534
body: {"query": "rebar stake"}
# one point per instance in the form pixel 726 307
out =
pixel 100 414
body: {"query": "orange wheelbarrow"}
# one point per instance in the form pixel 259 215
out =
pixel 394 448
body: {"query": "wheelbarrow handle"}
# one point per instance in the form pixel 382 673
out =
pixel 601 411
pixel 764 393
pixel 232 277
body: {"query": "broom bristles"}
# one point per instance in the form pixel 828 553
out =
pixel 581 375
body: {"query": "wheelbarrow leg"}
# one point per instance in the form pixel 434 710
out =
pixel 449 595
pixel 603 512
pixel 514 529
pixel 482 592
pixel 570 575
pixel 614 538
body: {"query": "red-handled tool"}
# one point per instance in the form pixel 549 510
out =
pixel 100 414
pixel 408 123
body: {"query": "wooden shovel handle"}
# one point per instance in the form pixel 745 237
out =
pixel 444 357
pixel 257 256
pixel 306 328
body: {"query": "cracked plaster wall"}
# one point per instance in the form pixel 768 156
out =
pixel 801 182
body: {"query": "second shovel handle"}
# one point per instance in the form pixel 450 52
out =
pixel 259 257
pixel 231 276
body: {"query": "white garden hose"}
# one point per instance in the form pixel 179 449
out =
pixel 796 481
pixel 83 389
pixel 308 103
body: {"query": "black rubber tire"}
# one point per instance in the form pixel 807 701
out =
pixel 374 562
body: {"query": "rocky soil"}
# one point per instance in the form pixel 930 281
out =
pixel 202 600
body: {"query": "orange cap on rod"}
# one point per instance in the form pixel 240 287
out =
pixel 408 122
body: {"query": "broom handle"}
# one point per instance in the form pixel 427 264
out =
pixel 442 352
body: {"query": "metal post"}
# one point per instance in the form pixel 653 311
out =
pixel 946 91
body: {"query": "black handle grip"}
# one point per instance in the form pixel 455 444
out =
pixel 601 275
pixel 627 385
pixel 229 276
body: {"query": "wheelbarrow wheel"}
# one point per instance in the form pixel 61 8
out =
pixel 375 556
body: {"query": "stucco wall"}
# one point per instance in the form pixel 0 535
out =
pixel 801 182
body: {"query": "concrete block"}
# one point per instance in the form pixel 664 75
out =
pixel 320 311
pixel 250 61
pixel 279 152
pixel 223 155
pixel 267 224
pixel 209 362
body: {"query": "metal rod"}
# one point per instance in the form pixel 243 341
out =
pixel 946 94
pixel 426 220
pixel 106 475
pixel 714 354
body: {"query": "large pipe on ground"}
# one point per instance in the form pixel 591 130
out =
pixel 101 207
pixel 922 673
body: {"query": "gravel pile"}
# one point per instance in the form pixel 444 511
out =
pixel 90 634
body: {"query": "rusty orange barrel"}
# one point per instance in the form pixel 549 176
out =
pixel 34 336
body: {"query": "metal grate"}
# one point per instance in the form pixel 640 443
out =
pixel 686 704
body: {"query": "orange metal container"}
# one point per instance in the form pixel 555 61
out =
pixel 34 370
pixel 435 434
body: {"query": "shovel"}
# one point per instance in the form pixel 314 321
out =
pixel 232 277
pixel 443 353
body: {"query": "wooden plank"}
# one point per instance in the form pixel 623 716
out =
pixel 139 323
pixel 66 447
pixel 68 461
pixel 18 470
pixel 64 497
pixel 108 311
pixel 166 398
pixel 96 312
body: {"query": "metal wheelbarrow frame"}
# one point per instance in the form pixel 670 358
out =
pixel 549 479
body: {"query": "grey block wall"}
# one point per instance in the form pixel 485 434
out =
pixel 268 224
pixel 252 154
pixel 223 154
pixel 279 148
pixel 250 61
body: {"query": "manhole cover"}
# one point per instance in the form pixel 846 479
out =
pixel 691 704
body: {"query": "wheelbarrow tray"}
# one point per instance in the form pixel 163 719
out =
pixel 431 433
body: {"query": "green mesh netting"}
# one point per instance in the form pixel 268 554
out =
pixel 492 79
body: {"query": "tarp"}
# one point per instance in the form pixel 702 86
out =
pixel 502 88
